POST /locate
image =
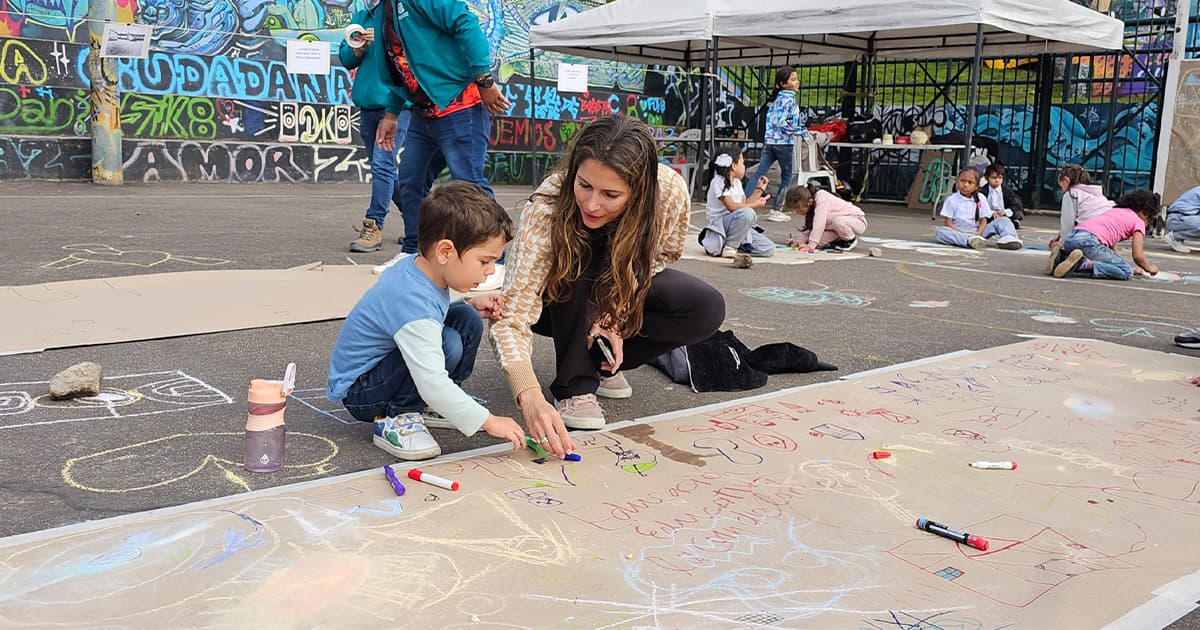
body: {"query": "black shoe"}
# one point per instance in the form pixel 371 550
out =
pixel 1016 224
pixel 845 246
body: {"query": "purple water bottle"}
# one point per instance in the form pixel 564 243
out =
pixel 266 432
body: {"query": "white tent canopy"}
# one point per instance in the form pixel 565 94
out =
pixel 763 32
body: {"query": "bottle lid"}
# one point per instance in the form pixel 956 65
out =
pixel 265 392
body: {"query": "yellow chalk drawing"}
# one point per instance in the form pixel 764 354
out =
pixel 144 460
pixel 83 253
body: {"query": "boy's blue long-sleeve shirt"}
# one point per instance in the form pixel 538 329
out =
pixel 373 87
pixel 445 46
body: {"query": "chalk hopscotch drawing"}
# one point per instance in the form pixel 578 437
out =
pixel 1137 327
pixel 802 297
pixel 928 304
pixel 99 253
pixel 27 404
pixel 762 510
pixel 1042 315
pixel 314 398
pixel 141 466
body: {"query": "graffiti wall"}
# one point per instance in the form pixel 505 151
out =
pixel 214 101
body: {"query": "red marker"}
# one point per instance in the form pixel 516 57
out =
pixel 880 454
pixel 417 475
pixel 953 534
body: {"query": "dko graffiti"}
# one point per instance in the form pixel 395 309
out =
pixel 243 163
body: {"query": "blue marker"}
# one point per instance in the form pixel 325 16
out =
pixel 391 477
pixel 573 457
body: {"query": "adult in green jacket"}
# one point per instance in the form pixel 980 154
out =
pixel 443 64
pixel 377 96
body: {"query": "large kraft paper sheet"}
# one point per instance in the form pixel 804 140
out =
pixel 1183 158
pixel 153 306
pixel 766 512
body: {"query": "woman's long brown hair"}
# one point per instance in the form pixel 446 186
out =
pixel 619 294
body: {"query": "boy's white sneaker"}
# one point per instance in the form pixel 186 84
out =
pixel 777 216
pixel 977 242
pixel 405 437
pixel 378 269
pixel 1176 243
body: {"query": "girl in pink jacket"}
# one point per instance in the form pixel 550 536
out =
pixel 829 221
pixel 1082 200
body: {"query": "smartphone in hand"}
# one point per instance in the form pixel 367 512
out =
pixel 605 349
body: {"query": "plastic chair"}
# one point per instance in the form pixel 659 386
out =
pixel 944 187
pixel 820 174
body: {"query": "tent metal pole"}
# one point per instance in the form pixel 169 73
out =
pixel 973 98
pixel 712 96
pixel 533 161
pixel 1169 94
pixel 704 135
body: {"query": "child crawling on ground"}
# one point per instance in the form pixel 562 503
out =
pixel 1089 249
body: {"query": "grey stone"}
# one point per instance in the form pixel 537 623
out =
pixel 875 251
pixel 81 379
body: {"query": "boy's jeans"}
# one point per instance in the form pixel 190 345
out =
pixel 388 389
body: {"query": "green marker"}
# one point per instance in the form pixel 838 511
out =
pixel 533 445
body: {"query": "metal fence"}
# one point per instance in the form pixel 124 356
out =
pixel 1099 110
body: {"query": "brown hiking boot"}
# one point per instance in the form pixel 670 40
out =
pixel 370 238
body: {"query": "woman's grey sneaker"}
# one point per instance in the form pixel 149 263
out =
pixel 614 386
pixel 1190 339
pixel 405 437
pixel 581 412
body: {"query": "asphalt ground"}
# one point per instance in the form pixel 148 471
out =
pixel 862 313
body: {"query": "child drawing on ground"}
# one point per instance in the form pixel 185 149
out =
pixel 1082 200
pixel 1090 248
pixel 732 219
pixel 970 221
pixel 830 222
pixel 1003 199
pixel 404 345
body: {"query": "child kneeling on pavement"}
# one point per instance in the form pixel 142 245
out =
pixel 1089 248
pixel 970 221
pixel 404 345
pixel 830 222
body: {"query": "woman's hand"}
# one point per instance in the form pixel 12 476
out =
pixel 615 343
pixel 544 423
pixel 489 306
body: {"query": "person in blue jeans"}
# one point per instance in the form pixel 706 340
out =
pixel 1090 249
pixel 405 347
pixel 441 58
pixel 376 96
pixel 785 125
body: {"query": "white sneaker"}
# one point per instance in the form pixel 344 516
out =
pixel 778 217
pixel 1176 243
pixel 977 242
pixel 405 437
pixel 1009 243
pixel 492 282
pixel 435 420
pixel 581 412
pixel 378 269
pixel 614 386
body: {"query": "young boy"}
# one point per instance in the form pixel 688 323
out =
pixel 969 220
pixel 404 345
pixel 1089 248
pixel 1003 200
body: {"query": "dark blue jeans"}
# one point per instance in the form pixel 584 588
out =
pixel 388 389
pixel 460 139
pixel 772 153
pixel 385 188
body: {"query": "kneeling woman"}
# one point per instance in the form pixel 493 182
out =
pixel 589 260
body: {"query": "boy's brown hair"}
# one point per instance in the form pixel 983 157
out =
pixel 464 213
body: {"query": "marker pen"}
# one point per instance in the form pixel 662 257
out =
pixel 391 477
pixel 533 446
pixel 953 534
pixel 441 482
pixel 994 465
